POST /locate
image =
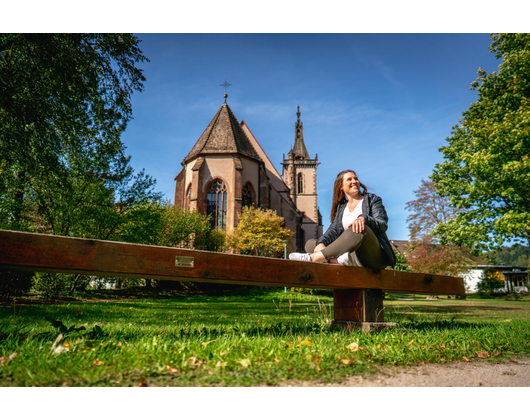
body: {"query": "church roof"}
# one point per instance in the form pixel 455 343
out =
pixel 223 135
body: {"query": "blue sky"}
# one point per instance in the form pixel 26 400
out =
pixel 380 104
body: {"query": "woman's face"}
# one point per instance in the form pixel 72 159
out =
pixel 351 185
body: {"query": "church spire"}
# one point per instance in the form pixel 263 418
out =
pixel 299 149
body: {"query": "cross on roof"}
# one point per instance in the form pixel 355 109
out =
pixel 225 85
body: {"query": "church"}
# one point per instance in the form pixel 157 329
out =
pixel 227 169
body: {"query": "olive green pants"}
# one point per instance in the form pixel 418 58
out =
pixel 364 248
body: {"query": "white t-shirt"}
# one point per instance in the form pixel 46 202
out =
pixel 349 216
pixel 347 219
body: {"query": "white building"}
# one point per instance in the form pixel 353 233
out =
pixel 515 278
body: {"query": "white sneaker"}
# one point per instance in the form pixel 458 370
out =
pixel 298 256
pixel 344 259
pixel 349 260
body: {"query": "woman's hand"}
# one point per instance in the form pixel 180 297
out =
pixel 358 225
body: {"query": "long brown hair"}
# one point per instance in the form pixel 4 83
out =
pixel 338 194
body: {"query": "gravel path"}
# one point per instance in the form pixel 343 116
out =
pixel 480 373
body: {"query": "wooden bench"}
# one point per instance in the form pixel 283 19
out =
pixel 357 292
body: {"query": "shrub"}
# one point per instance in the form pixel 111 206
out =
pixel 259 232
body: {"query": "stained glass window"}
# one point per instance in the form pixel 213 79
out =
pixel 216 204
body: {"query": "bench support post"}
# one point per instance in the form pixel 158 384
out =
pixel 359 308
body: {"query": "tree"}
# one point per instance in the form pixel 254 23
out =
pixel 259 232
pixel 449 260
pixel 429 210
pixel 516 255
pixel 424 253
pixel 486 168
pixel 64 102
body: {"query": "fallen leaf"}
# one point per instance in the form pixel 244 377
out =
pixel 244 362
pixel 221 364
pixel 482 354
pixel 346 361
pixel 514 361
pixel 192 360
pixel 497 353
pixel 305 343
pixel 171 369
pixel 317 368
pixel 142 384
pixel 382 346
pixel 98 362
pixel 465 359
pixel 363 348
pixel 410 342
pixel 288 344
pixel 317 358
pixel 289 368
pixel 8 359
pixel 277 360
pixel 67 344
pixel 56 343
pixel 353 347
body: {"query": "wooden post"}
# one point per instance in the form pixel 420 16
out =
pixel 359 308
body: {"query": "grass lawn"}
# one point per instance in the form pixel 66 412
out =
pixel 254 337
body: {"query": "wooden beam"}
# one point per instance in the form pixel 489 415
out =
pixel 39 252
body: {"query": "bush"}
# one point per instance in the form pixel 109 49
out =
pixel 492 282
pixel 259 232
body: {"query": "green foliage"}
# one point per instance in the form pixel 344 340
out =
pixel 65 100
pixel 516 255
pixel 486 168
pixel 184 229
pixel 490 282
pixel 259 232
pixel 401 262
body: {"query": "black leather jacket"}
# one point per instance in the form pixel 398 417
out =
pixel 375 217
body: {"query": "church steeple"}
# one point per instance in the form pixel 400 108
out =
pixel 299 149
pixel 300 176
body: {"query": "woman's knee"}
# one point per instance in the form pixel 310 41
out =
pixel 310 246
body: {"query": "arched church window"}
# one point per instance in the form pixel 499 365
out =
pixel 248 196
pixel 216 204
pixel 300 183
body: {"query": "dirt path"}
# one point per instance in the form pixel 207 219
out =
pixel 481 373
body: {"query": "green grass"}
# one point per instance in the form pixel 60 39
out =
pixel 247 339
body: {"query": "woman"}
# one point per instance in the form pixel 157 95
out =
pixel 356 235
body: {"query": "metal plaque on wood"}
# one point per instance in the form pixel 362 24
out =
pixel 181 261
